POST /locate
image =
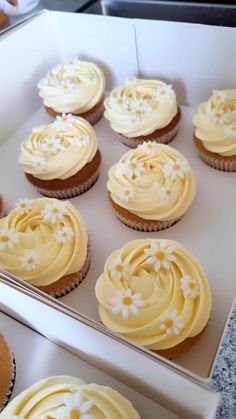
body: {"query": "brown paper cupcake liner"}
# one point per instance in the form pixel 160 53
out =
pixel 71 192
pixel 162 136
pixel 214 160
pixel 2 207
pixel 12 377
pixel 147 227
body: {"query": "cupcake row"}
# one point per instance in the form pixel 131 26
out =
pixel 142 110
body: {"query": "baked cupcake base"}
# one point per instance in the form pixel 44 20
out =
pixel 74 185
pixel 8 372
pixel 162 136
pixel 67 283
pixel 138 223
pixel 92 116
pixel 4 21
pixel 2 209
pixel 214 160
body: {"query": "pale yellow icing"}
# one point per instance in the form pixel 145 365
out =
pixel 59 150
pixel 215 123
pixel 171 298
pixel 77 86
pixel 42 240
pixel 155 190
pixel 140 107
pixel 69 398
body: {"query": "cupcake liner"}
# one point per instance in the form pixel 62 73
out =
pixel 11 378
pixel 2 207
pixel 218 163
pixel 71 192
pixel 163 139
pixel 94 116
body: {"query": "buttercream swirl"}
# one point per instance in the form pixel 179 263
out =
pixel 140 107
pixel 59 150
pixel 42 240
pixel 154 292
pixel 215 123
pixel 69 397
pixel 76 86
pixel 153 181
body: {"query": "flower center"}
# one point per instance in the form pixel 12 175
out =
pixel 55 211
pixel 168 192
pixel 23 205
pixel 133 166
pixel 126 193
pixel 160 255
pixel 30 261
pixel 74 414
pixel 176 167
pixel 149 146
pixel 127 301
pixel 49 145
pixel 4 239
pixel 218 115
pixel 64 234
pixel 191 285
pixel 119 268
pixel 168 323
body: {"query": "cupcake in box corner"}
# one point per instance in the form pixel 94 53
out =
pixel 143 110
pixel 75 87
pixel 7 372
pixel 155 293
pixel 151 187
pixel 44 242
pixel 215 130
pixel 62 159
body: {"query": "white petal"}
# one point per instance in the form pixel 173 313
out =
pixel 69 399
pixel 128 292
pixel 136 296
pixel 157 266
pixel 118 309
pixel 62 412
pixel 163 327
pixel 125 313
pixel 86 406
pixel 139 304
pixel 151 260
pixel 134 310
pixel 176 330
pixel 166 264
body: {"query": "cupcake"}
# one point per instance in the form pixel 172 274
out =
pixel 215 130
pixel 61 159
pixel 143 110
pixel 44 242
pixel 1 206
pixel 151 187
pixel 7 372
pixel 155 293
pixel 69 397
pixel 75 87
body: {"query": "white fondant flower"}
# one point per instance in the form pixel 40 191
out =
pixel 176 169
pixel 8 238
pixel 131 81
pixel 167 194
pixel 64 235
pixel 75 407
pixel 160 255
pixel 88 80
pixel 172 323
pixel 119 269
pixel 38 129
pixel 217 116
pixel 65 121
pixel 149 147
pixel 230 130
pixel 55 70
pixel 72 65
pixel 125 303
pixel 67 85
pixel 139 105
pixel 135 118
pixel 24 206
pixel 30 260
pixel 51 145
pixel 132 167
pixel 81 141
pixel 163 92
pixel 43 83
pixel 126 194
pixel 121 102
pixel 189 287
pixel 39 163
pixel 54 212
pixel 218 96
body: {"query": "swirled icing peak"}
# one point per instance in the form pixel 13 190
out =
pixel 64 397
pixel 140 107
pixel 59 150
pixel 153 292
pixel 76 86
pixel 215 122
pixel 41 240
pixel 153 181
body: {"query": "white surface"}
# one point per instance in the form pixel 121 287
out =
pixel 36 358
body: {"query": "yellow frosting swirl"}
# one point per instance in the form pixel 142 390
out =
pixel 42 240
pixel 69 398
pixel 153 181
pixel 77 86
pixel 140 107
pixel 154 292
pixel 215 123
pixel 59 150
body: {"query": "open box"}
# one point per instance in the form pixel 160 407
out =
pixel 192 58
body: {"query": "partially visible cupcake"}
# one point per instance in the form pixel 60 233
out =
pixel 155 293
pixel 4 21
pixel 143 110
pixel 69 397
pixel 62 159
pixel 44 242
pixel 215 130
pixel 1 206
pixel 7 372
pixel 75 87
pixel 151 187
